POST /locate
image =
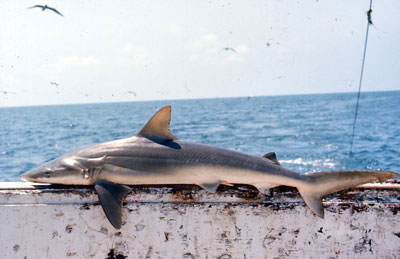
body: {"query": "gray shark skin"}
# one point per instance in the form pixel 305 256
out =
pixel 155 157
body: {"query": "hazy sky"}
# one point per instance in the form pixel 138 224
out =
pixel 109 51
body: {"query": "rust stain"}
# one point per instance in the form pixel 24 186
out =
pixel 183 195
pixel 59 214
pixel 246 192
pixel 69 190
pixel 166 234
pixel 228 209
pixel 188 256
pixel 70 254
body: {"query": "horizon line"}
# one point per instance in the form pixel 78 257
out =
pixel 199 98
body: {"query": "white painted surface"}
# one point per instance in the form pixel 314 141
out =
pixel 186 222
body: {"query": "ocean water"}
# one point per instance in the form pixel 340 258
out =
pixel 308 132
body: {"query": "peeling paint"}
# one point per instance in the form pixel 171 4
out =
pixel 85 206
pixel 104 230
pixel 112 255
pixel 16 248
pixel 139 227
pixel 68 229
pixel 54 234
pixel 175 222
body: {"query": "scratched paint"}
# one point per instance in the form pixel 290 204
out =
pixel 187 222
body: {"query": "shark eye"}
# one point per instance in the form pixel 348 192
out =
pixel 47 174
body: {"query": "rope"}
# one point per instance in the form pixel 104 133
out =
pixel 369 22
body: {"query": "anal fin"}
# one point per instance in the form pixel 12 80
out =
pixel 210 186
pixel 110 196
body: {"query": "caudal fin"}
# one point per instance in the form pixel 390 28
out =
pixel 319 184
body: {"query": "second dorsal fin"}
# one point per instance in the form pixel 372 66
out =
pixel 271 156
pixel 158 125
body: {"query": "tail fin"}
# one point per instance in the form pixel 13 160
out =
pixel 320 184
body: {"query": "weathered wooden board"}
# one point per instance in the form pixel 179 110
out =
pixel 187 222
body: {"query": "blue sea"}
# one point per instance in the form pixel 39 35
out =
pixel 307 132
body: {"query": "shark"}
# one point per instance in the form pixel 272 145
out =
pixel 156 157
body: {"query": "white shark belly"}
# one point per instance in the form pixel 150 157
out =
pixel 196 174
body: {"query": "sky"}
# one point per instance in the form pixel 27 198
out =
pixel 113 51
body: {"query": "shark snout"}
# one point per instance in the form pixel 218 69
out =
pixel 32 176
pixel 28 177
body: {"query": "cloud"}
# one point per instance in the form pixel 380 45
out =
pixel 210 37
pixel 173 29
pixel 209 40
pixel 136 56
pixel 8 78
pixel 71 61
pixel 242 49
pixel 127 48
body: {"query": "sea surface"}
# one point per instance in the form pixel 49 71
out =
pixel 307 132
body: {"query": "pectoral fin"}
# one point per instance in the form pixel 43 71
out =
pixel 110 196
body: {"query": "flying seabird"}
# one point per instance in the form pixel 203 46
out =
pixel 227 49
pixel 6 92
pixel 54 83
pixel 132 92
pixel 44 7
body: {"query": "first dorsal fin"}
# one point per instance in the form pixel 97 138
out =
pixel 271 156
pixel 158 125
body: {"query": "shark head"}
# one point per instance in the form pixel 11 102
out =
pixel 63 170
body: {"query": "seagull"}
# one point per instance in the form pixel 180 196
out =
pixel 227 49
pixel 187 88
pixel 131 92
pixel 44 7
pixel 54 83
pixel 6 92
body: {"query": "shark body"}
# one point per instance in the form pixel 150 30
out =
pixel 155 157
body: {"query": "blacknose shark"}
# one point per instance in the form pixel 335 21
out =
pixel 156 157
